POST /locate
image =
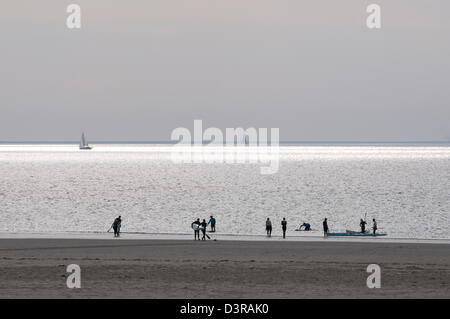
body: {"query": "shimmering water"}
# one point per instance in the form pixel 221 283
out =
pixel 58 188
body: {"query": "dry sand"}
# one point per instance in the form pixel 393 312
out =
pixel 36 268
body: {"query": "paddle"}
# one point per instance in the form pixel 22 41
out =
pixel 365 218
pixel 206 233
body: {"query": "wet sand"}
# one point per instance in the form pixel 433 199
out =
pixel 36 268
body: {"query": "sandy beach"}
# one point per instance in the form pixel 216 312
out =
pixel 36 268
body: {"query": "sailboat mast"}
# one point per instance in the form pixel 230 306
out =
pixel 83 143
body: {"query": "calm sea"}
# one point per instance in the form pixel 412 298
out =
pixel 58 188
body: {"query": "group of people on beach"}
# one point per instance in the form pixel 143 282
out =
pixel 363 224
pixel 307 227
pixel 269 227
pixel 198 226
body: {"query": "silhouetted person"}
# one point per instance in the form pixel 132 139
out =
pixel 268 227
pixel 196 227
pixel 116 226
pixel 284 226
pixel 203 226
pixel 325 227
pixel 212 222
pixel 363 223
pixel 375 227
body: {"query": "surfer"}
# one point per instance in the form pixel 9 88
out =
pixel 284 226
pixel 325 227
pixel 306 225
pixel 268 227
pixel 374 227
pixel 212 222
pixel 116 226
pixel 196 227
pixel 363 223
pixel 203 226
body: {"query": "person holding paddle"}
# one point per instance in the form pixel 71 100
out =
pixel 362 224
pixel 116 226
pixel 203 226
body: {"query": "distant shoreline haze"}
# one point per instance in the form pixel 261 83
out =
pixel 281 142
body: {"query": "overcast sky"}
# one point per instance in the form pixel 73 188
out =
pixel 137 69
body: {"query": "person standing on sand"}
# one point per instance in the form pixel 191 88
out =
pixel 284 226
pixel 212 221
pixel 268 227
pixel 196 227
pixel 203 226
pixel 374 226
pixel 363 223
pixel 325 227
pixel 116 226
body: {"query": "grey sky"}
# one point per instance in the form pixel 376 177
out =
pixel 138 69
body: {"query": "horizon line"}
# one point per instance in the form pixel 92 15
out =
pixel 175 142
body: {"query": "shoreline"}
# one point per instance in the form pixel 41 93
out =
pixel 36 268
pixel 315 236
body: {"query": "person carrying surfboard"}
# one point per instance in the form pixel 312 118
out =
pixel 268 227
pixel 196 227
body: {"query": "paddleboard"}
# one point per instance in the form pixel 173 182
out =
pixel 350 233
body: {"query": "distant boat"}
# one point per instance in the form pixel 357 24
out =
pixel 84 144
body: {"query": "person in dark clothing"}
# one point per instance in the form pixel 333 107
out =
pixel 196 227
pixel 268 227
pixel 363 223
pixel 375 227
pixel 325 227
pixel 203 226
pixel 116 226
pixel 212 222
pixel 306 225
pixel 284 226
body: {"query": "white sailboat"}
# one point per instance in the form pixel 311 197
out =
pixel 84 144
pixel 246 140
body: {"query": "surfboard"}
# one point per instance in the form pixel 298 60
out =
pixel 197 227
